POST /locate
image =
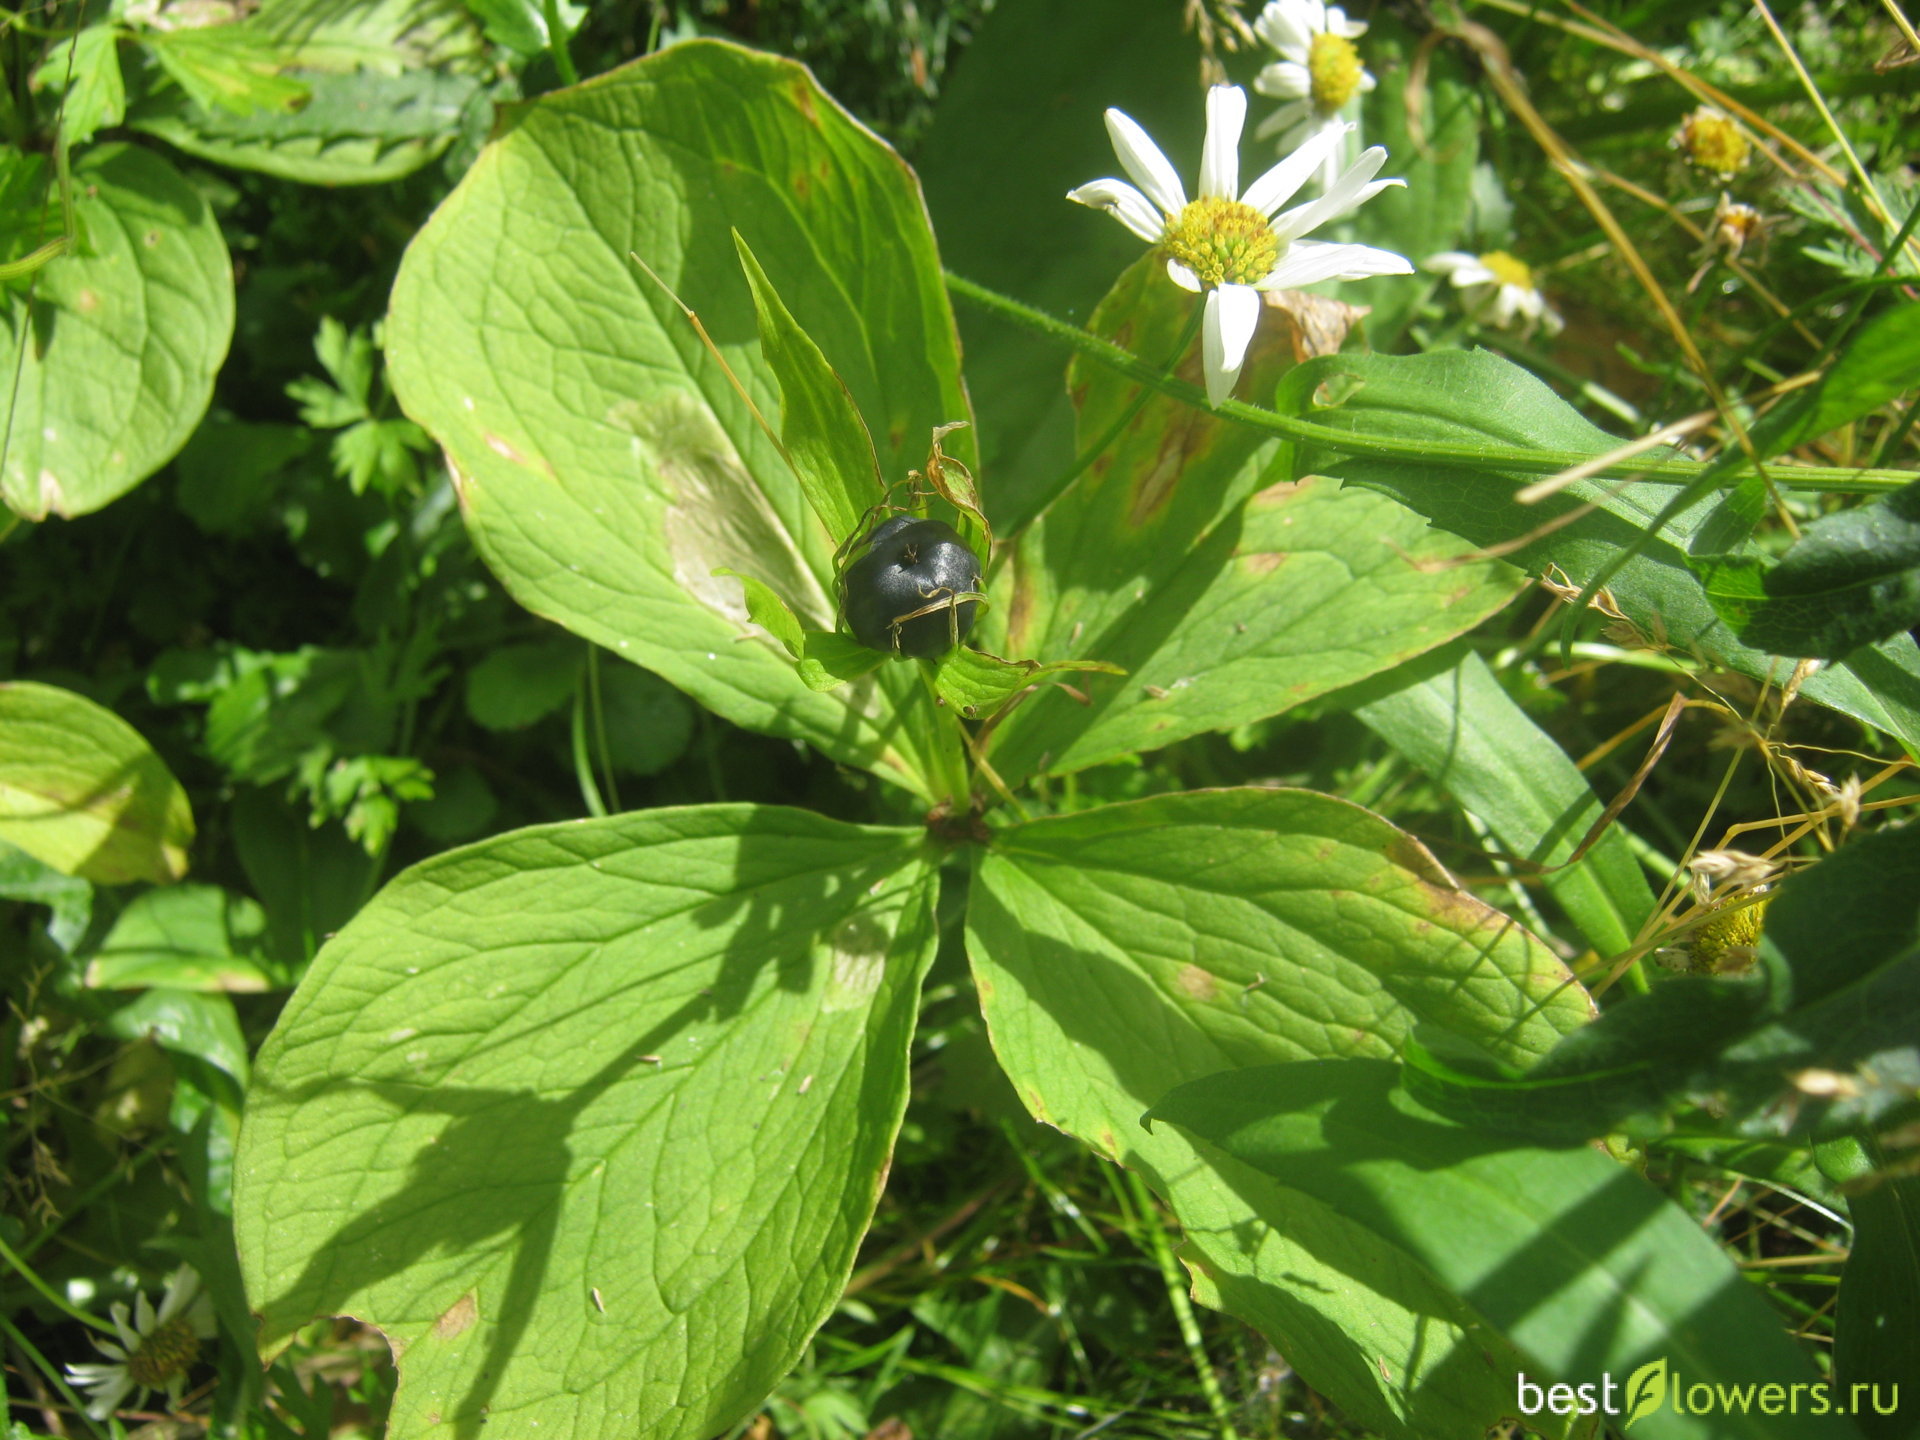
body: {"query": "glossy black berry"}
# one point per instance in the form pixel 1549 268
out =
pixel 897 593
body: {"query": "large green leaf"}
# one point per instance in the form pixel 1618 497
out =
pixel 589 1119
pixel 1837 987
pixel 1878 1312
pixel 1458 396
pixel 1017 127
pixel 1579 1261
pixel 107 376
pixel 82 792
pixel 1850 579
pixel 1127 950
pixel 1449 716
pixel 341 92
pixel 606 468
pixel 1221 608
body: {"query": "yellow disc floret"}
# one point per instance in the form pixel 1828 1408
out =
pixel 1507 270
pixel 165 1354
pixel 1222 242
pixel 1333 65
pixel 1713 142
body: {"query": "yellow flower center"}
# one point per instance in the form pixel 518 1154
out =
pixel 1724 944
pixel 1713 142
pixel 1334 68
pixel 1507 270
pixel 1222 242
pixel 164 1354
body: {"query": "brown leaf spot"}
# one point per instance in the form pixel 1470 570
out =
pixel 1284 493
pixel 1188 435
pixel 1109 1143
pixel 802 184
pixel 1265 562
pixel 458 1318
pixel 87 301
pixel 1196 983
pixel 803 97
pixel 151 238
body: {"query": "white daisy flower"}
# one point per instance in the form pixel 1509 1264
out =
pixel 1318 74
pixel 1497 288
pixel 1227 244
pixel 156 1349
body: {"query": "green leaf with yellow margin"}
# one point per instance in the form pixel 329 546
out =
pixel 82 792
pixel 605 466
pixel 589 1119
pixel 1123 951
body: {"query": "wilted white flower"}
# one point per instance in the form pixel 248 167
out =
pixel 1230 245
pixel 1318 74
pixel 1497 288
pixel 156 1349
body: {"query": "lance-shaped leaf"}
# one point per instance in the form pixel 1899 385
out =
pixel 1222 605
pixel 82 792
pixel 1568 1254
pixel 1851 579
pixel 127 328
pixel 1837 987
pixel 1462 397
pixel 1126 950
pixel 589 1119
pixel 606 467
pixel 1449 715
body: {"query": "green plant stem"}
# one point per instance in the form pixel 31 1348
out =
pixel 51 1371
pixel 53 1297
pixel 600 726
pixel 582 760
pixel 557 38
pixel 1148 1216
pixel 1819 478
pixel 1093 452
pixel 950 751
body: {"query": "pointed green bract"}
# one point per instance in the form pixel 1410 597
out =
pixel 1187 557
pixel 128 329
pixel 605 465
pixel 80 790
pixel 1124 951
pixel 822 430
pixel 589 1119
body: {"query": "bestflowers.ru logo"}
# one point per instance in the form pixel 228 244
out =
pixel 1653 1385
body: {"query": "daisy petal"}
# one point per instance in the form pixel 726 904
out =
pixel 1220 155
pixel 1283 29
pixel 1296 118
pixel 1447 261
pixel 1282 80
pixel 1183 277
pixel 1232 313
pixel 1342 196
pixel 1125 204
pixel 1144 162
pixel 1307 262
pixel 1283 181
